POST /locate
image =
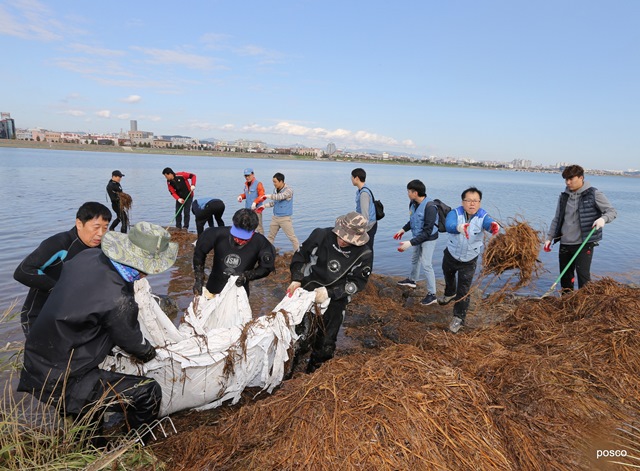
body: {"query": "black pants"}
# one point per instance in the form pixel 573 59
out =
pixel 121 216
pixel 372 235
pixel 461 287
pixel 137 397
pixel 183 209
pixel 324 342
pixel 213 209
pixel 580 266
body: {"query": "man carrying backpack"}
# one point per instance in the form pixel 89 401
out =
pixel 364 203
pixel 423 223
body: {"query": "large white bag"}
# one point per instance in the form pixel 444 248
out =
pixel 218 350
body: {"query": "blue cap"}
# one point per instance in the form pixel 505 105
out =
pixel 241 233
pixel 248 171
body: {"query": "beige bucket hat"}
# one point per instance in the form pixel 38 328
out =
pixel 352 228
pixel 146 248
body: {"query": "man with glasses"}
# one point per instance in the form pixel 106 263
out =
pixel 580 209
pixel 253 196
pixel 237 250
pixel 465 225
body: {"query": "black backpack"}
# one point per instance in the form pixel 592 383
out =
pixel 377 204
pixel 442 209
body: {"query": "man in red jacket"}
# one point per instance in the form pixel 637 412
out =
pixel 181 185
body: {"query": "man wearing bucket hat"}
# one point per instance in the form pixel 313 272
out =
pixel 92 310
pixel 335 262
pixel 237 250
pixel 253 196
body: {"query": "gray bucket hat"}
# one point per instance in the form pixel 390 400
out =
pixel 146 248
pixel 352 228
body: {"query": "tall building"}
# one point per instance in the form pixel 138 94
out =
pixel 134 125
pixel 7 126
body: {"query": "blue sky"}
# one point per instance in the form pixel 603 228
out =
pixel 549 81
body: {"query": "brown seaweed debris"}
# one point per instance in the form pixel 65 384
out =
pixel 125 201
pixel 515 249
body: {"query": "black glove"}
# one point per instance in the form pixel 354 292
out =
pixel 241 280
pixel 149 355
pixel 199 276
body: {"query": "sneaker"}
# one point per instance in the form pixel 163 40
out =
pixel 429 299
pixel 455 325
pixel 446 299
pixel 408 282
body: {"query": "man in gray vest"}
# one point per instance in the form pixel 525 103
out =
pixel 580 209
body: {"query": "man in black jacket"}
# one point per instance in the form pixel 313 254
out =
pixel 205 209
pixel 92 310
pixel 335 262
pixel 41 269
pixel 237 250
pixel 114 190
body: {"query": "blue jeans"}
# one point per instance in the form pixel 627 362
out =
pixel 423 256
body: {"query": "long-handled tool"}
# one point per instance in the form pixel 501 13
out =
pixel 553 286
pixel 179 209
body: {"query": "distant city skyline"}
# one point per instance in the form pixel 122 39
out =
pixel 544 81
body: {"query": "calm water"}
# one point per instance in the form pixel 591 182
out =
pixel 43 189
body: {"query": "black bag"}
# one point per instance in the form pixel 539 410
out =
pixel 377 204
pixel 442 209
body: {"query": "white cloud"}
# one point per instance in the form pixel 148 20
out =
pixel 104 113
pixel 152 118
pixel 76 113
pixel 132 99
pixel 96 51
pixel 29 19
pixel 175 57
pixel 123 116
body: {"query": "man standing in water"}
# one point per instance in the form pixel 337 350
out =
pixel 181 185
pixel 580 209
pixel 114 190
pixel 41 269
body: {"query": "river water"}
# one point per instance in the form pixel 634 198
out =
pixel 43 189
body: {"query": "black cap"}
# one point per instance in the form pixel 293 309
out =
pixel 117 173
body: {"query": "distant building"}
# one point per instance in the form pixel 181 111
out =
pixel 134 125
pixel 331 148
pixel 7 127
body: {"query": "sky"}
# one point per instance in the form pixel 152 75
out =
pixel 547 81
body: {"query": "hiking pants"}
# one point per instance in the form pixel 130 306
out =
pixel 461 287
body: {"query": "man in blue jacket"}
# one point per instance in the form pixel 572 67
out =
pixel 423 223
pixel 465 225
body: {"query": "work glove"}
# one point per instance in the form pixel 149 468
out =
pixel 149 355
pixel 321 295
pixel 463 229
pixel 180 200
pixel 598 223
pixel 495 228
pixel 398 235
pixel 241 280
pixel 262 199
pixel 259 210
pixel 240 199
pixel 404 246
pixel 253 205
pixel 199 281
pixel 292 288
pixel 193 187
pixel 547 246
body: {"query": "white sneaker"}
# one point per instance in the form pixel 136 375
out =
pixel 455 325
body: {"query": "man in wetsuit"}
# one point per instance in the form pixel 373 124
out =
pixel 181 185
pixel 114 189
pixel 41 269
pixel 237 250
pixel 205 209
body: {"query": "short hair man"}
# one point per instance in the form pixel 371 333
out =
pixel 465 225
pixel 181 185
pixel 205 209
pixel 282 204
pixel 237 250
pixel 92 310
pixel 364 203
pixel 581 208
pixel 423 223
pixel 253 195
pixel 335 262
pixel 41 269
pixel 114 190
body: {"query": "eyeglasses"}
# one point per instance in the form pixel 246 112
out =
pixel 471 201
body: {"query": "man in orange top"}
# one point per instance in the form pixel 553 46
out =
pixel 253 196
pixel 181 185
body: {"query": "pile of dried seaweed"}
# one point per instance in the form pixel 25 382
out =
pixel 125 201
pixel 515 249
pixel 541 390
